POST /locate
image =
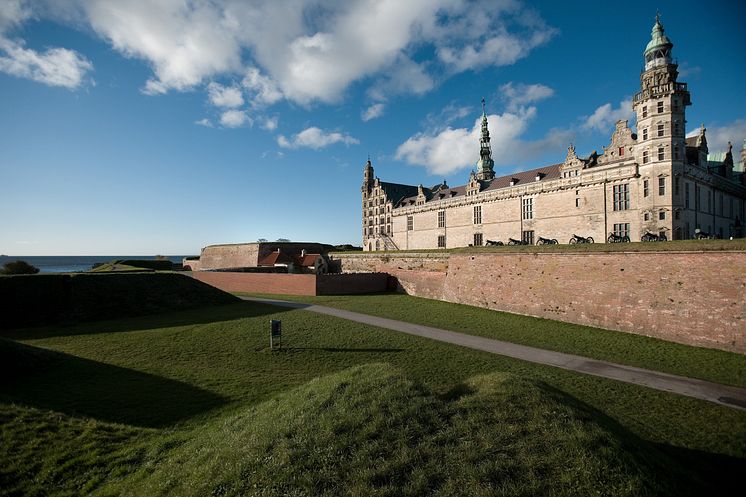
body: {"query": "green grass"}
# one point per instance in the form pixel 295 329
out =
pixel 198 392
pixel 624 348
pixel 116 267
pixel 738 244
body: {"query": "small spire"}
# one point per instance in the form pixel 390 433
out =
pixel 657 16
pixel 484 112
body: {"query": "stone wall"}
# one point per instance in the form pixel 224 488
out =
pixel 294 284
pixel 236 255
pixel 696 298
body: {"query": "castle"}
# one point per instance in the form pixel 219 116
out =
pixel 656 180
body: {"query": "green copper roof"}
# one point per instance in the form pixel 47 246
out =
pixel 658 38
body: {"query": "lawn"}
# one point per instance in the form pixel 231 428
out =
pixel 194 402
pixel 623 348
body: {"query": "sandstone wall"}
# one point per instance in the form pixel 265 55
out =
pixel 294 284
pixel 696 298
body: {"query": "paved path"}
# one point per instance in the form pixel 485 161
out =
pixel 714 392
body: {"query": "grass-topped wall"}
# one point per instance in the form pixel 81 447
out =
pixel 43 299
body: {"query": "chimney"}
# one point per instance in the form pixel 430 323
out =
pixel 303 252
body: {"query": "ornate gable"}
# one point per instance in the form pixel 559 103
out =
pixel 621 146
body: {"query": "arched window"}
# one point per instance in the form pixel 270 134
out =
pixel 378 245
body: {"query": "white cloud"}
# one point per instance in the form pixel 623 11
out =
pixel 53 67
pixel 204 122
pixel 264 89
pixel 605 116
pixel 224 96
pixel 373 112
pixel 518 95
pixel 453 149
pixel 270 123
pixel 306 51
pixel 315 138
pixel 234 118
pixel 719 136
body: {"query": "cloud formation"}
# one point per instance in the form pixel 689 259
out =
pixel 445 149
pixel 306 51
pixel 224 96
pixel 605 116
pixel 315 138
pixel 373 112
pixel 719 136
pixel 234 118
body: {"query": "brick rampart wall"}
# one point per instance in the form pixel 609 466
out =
pixel 294 284
pixel 696 298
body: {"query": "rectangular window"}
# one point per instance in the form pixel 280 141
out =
pixel 721 204
pixel 645 158
pixel 677 215
pixel 477 214
pixel 478 239
pixel 441 219
pixel 676 128
pixel 621 229
pixel 441 241
pixel 528 237
pixel 676 188
pixel 661 153
pixel 662 215
pixel 621 151
pixel 686 194
pixel 646 216
pixel 709 203
pixel 577 202
pixel 527 208
pixel 410 223
pixel 621 197
pixel 645 188
pixel 644 133
pixel 661 130
pixel 660 107
pixel 661 186
pixel 644 111
pixel 676 152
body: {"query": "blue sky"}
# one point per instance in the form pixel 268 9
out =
pixel 135 127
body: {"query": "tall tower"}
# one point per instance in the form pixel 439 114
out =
pixel 367 189
pixel 661 151
pixel 485 164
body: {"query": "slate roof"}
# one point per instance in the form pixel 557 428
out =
pixel 549 173
pixel 395 191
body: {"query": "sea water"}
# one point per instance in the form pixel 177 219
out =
pixel 75 263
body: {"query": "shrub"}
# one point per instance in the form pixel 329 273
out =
pixel 18 267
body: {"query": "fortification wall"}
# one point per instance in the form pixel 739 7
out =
pixel 235 255
pixel 695 298
pixel 294 284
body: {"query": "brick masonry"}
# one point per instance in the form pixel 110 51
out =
pixel 695 298
pixel 294 284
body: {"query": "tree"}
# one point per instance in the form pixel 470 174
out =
pixel 19 267
pixel 284 240
pixel 262 240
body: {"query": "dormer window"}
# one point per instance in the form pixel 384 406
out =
pixel 539 176
pixel 513 181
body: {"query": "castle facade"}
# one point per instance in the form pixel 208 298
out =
pixel 655 180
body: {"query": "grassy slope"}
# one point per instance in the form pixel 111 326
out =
pixel 371 431
pixel 624 348
pixel 216 362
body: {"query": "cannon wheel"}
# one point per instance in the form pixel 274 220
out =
pixel 662 237
pixel 539 242
pixel 625 239
pixel 589 239
pixel 554 241
pixel 611 239
pixel 573 240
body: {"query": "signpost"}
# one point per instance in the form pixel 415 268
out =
pixel 275 333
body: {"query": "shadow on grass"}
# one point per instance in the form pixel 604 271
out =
pixel 692 472
pixel 202 315
pixel 85 388
pixel 335 349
